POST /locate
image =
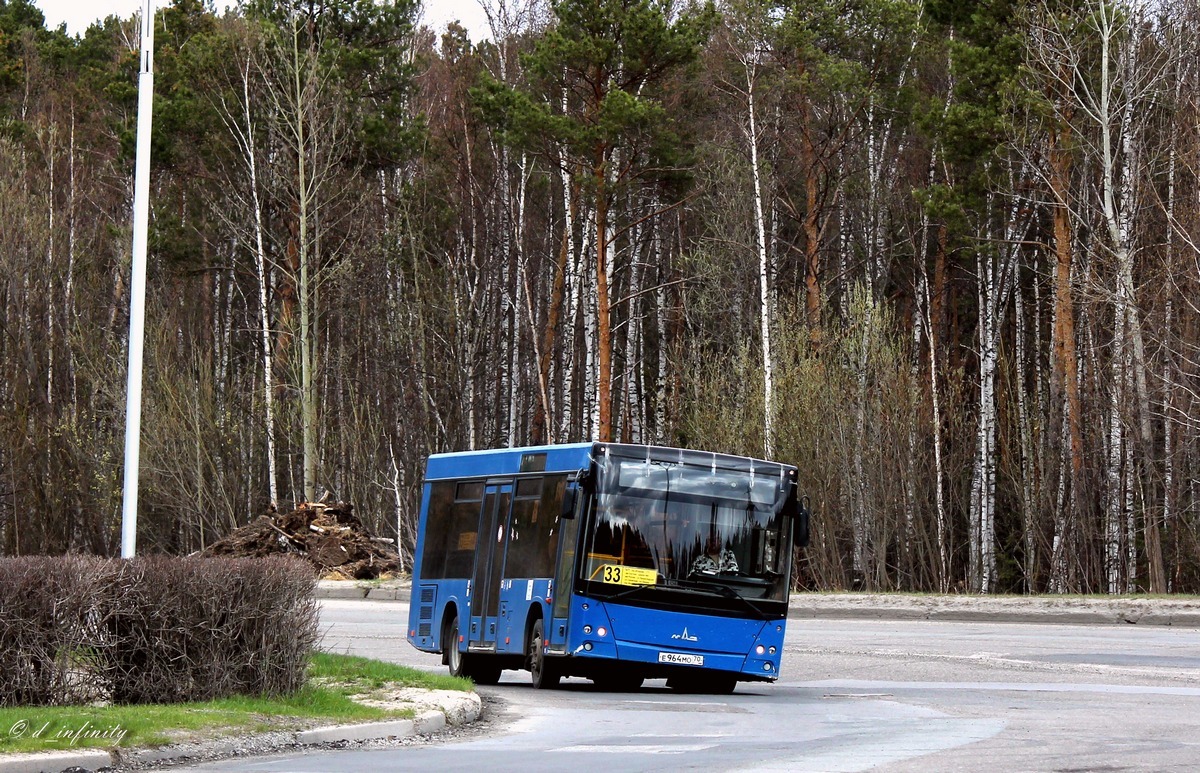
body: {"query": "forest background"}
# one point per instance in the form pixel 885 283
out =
pixel 940 255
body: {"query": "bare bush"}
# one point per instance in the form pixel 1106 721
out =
pixel 78 629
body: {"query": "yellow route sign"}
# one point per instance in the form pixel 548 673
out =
pixel 616 574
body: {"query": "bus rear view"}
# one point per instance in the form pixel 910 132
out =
pixel 624 563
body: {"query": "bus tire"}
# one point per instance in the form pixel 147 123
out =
pixel 454 656
pixel 543 672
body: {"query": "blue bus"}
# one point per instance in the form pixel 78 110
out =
pixel 613 562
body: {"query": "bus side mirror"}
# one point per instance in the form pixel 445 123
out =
pixel 568 503
pixel 800 523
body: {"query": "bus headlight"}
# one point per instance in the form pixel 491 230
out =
pixel 760 649
pixel 587 629
pixel 767 666
pixel 772 650
pixel 601 632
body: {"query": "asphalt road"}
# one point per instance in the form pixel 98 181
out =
pixel 903 695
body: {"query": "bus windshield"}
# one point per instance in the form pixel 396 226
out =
pixel 689 534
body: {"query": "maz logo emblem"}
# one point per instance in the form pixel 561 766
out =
pixel 685 636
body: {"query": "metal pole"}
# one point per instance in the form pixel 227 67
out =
pixel 137 288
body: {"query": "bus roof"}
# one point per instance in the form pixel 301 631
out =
pixel 509 461
pixel 560 458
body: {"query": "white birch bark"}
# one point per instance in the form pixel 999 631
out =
pixel 995 277
pixel 591 372
pixel 261 276
pixel 941 518
pixel 1114 106
pixel 765 272
pixel 660 381
pixel 1118 231
pixel 397 481
pixel 571 289
pixel 908 543
pixel 570 421
pixel 51 156
pixel 862 557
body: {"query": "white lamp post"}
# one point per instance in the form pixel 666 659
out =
pixel 137 288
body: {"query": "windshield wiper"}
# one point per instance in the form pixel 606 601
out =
pixel 716 589
pixel 724 591
pixel 630 591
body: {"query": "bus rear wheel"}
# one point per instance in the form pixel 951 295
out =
pixel 478 668
pixel 544 674
pixel 454 656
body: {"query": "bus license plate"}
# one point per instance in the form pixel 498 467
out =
pixel 680 658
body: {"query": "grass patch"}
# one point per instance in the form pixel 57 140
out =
pixel 326 699
pixel 373 674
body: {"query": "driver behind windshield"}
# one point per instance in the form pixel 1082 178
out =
pixel 715 559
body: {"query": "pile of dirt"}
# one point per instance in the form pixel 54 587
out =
pixel 330 536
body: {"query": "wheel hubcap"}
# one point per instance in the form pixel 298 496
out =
pixel 455 655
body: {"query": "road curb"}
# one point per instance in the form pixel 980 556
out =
pixel 47 762
pixel 998 609
pixel 465 711
pixel 391 590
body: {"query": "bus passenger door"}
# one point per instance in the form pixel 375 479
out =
pixel 489 561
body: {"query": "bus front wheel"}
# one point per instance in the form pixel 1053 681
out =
pixel 544 674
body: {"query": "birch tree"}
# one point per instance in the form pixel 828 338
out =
pixel 234 104
pixel 748 42
pixel 1094 59
pixel 607 57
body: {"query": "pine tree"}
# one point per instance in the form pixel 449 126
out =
pixel 608 57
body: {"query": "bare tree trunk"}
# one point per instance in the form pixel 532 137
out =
pixel 1064 380
pixel 603 301
pixel 1117 220
pixel 305 331
pixel 397 481
pixel 765 288
pixel 995 279
pixel 812 240
pixel 247 143
pixel 1029 480
pixel 941 517
pixel 542 416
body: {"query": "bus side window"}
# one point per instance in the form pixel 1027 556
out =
pixel 522 546
pixel 451 530
pixel 433 559
pixel 546 528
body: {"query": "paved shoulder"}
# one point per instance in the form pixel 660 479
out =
pixel 1002 609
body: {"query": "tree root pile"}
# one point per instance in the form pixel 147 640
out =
pixel 329 536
